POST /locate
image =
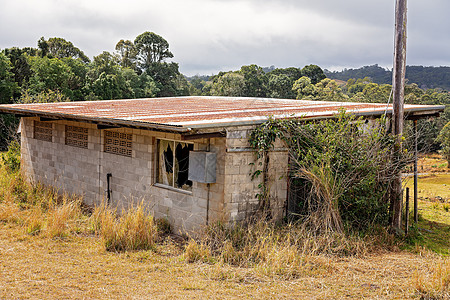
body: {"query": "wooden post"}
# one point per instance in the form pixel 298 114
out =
pixel 416 216
pixel 398 86
pixel 407 211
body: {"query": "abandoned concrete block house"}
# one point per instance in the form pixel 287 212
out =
pixel 187 158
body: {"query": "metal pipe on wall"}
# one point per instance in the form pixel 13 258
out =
pixel 108 187
pixel 208 187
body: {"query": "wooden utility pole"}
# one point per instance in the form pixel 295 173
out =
pixel 398 86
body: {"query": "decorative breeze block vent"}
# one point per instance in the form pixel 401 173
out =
pixel 43 131
pixel 118 143
pixel 77 136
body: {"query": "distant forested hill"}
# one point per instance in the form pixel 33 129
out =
pixel 424 77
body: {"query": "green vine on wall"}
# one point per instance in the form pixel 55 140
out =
pixel 262 140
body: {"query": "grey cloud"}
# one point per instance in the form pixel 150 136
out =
pixel 212 35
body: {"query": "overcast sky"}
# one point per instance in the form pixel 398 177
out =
pixel 207 36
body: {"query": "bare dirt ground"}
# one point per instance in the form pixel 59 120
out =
pixel 37 267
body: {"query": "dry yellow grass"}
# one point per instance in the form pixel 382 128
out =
pixel 269 264
pixel 434 283
pixel 9 212
pixel 34 221
pixel 63 218
pixel 78 267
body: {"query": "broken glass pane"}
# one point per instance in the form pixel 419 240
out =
pixel 165 162
pixel 182 165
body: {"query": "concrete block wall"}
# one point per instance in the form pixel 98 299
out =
pixel 83 172
pixel 240 194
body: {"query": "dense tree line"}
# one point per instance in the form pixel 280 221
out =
pixel 310 83
pixel 137 69
pixel 424 77
pixel 59 71
pixel 255 81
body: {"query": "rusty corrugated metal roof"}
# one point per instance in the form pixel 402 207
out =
pixel 180 113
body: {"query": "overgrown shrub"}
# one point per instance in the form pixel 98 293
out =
pixel 346 163
pixel 11 159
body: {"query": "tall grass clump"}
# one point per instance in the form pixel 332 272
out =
pixel 62 218
pixel 37 208
pixel 285 251
pixel 35 221
pixel 133 230
pixel 13 189
pixel 435 284
pixel 9 212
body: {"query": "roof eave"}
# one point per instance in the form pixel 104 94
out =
pixel 413 113
pixel 410 113
pixel 94 120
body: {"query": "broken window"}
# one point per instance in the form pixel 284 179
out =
pixel 173 164
pixel 43 131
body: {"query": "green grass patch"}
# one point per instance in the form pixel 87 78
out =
pixel 434 213
pixel 431 186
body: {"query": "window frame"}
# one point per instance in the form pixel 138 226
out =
pixel 173 185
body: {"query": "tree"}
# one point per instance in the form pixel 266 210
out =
pixel 59 48
pixel 65 75
pixel 127 53
pixel 77 78
pixel 292 72
pixel 151 48
pixel 279 86
pixel 106 87
pixel 314 72
pixel 229 84
pixel 373 93
pixel 280 81
pixel 196 85
pixel 7 84
pixel 255 81
pixel 329 90
pixel 20 66
pixel 166 77
pixel 444 139
pixel 304 88
pixel 105 63
pixel 146 87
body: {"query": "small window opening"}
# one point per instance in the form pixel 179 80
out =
pixel 118 143
pixel 43 131
pixel 77 136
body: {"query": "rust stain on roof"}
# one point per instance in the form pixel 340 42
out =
pixel 196 111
